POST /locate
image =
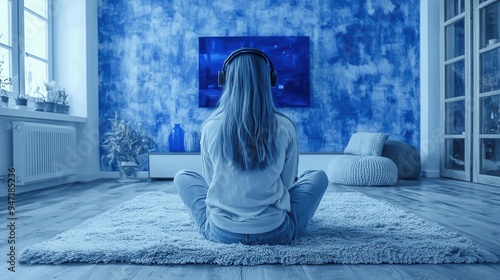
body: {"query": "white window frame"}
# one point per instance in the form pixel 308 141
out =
pixel 18 50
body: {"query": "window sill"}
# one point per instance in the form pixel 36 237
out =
pixel 18 113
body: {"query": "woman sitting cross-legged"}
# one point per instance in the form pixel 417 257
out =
pixel 249 191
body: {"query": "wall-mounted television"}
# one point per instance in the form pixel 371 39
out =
pixel 289 55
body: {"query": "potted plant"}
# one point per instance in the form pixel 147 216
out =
pixel 39 100
pixel 50 104
pixel 21 101
pixel 124 144
pixel 4 83
pixel 5 99
pixel 40 103
pixel 62 101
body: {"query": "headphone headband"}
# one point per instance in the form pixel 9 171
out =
pixel 247 50
pixel 222 73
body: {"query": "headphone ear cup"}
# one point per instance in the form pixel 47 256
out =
pixel 221 78
pixel 273 78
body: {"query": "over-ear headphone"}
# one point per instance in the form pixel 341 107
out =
pixel 222 73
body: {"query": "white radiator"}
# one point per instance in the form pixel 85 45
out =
pixel 41 151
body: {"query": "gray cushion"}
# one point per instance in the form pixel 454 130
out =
pixel 366 144
pixel 362 170
pixel 405 156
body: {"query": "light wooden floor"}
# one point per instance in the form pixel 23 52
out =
pixel 471 209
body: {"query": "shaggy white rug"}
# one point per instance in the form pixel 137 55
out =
pixel 348 228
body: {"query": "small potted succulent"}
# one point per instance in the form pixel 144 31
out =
pixel 21 101
pixel 62 101
pixel 4 98
pixel 39 100
pixel 50 104
pixel 124 144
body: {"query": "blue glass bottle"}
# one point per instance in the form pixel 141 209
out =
pixel 176 139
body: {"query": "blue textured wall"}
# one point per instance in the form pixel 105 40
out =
pixel 364 63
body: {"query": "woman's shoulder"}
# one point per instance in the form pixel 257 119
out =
pixel 212 121
pixel 286 127
pixel 285 121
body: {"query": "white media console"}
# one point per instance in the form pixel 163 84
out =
pixel 165 165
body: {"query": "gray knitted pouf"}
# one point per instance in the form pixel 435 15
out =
pixel 362 170
pixel 405 156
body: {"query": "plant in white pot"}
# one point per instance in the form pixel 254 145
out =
pixel 124 143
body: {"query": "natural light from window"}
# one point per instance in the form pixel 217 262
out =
pixel 5 39
pixel 38 40
pixel 36 37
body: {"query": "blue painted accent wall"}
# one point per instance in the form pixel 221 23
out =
pixel 364 63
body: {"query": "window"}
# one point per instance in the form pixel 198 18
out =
pixel 25 29
pixel 6 40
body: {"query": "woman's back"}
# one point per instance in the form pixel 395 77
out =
pixel 253 200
